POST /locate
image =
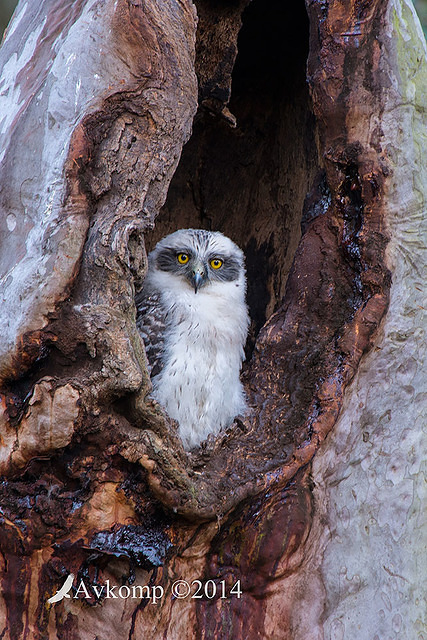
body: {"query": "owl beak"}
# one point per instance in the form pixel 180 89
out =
pixel 197 280
pixel 197 277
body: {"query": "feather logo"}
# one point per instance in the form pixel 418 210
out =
pixel 63 591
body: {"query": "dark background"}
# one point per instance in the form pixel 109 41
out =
pixel 6 10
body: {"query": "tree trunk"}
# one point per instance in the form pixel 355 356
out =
pixel 317 170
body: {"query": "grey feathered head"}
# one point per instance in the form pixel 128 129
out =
pixel 200 257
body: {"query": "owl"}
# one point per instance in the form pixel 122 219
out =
pixel 194 321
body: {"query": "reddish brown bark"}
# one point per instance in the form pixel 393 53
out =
pixel 114 482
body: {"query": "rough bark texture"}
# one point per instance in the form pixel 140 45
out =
pixel 310 175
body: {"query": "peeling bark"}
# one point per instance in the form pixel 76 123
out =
pixel 304 173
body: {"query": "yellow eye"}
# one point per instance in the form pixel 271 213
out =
pixel 183 258
pixel 216 263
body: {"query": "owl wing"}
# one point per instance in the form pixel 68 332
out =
pixel 150 321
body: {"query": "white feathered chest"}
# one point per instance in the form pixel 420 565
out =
pixel 194 321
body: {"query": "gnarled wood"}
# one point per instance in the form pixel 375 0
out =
pixel 302 176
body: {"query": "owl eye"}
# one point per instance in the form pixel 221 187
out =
pixel 216 263
pixel 183 258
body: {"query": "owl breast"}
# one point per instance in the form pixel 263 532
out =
pixel 199 385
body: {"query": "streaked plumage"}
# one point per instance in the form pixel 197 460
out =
pixel 193 319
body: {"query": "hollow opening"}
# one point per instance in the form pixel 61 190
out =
pixel 250 181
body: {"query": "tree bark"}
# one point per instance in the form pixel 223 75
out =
pixel 318 172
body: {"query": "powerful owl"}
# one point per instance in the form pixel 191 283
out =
pixel 194 321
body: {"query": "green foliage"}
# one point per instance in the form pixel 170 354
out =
pixel 421 7
pixel 7 7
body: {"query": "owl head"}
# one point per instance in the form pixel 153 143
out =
pixel 198 259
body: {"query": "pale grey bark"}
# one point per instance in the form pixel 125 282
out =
pixel 52 79
pixel 365 567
